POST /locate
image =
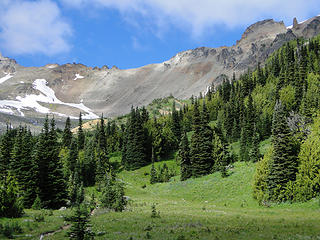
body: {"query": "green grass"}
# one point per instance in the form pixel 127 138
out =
pixel 205 208
pixel 210 207
pixel 264 146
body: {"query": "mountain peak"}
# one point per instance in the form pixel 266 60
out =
pixel 263 29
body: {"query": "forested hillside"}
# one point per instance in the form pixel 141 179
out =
pixel 279 101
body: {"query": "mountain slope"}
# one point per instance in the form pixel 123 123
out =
pixel 70 88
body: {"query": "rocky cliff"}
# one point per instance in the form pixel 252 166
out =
pixel 65 90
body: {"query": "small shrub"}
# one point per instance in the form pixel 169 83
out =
pixel 181 237
pixel 10 228
pixel 38 217
pixel 154 213
pixel 36 204
pixel 143 186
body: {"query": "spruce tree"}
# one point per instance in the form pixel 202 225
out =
pixel 184 157
pixel 51 184
pixel 67 134
pixel 285 164
pixel 201 144
pixel 80 228
pixel 176 126
pixel 22 166
pixel 81 137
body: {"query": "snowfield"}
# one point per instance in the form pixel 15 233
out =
pixel 78 76
pixel 5 78
pixel 47 95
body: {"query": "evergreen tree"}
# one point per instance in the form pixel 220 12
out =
pixel 284 166
pixel 6 145
pixel 81 137
pixel 113 194
pixel 10 202
pixel 184 157
pixel 102 143
pixel 67 134
pixel 51 184
pixel 22 166
pixel 176 126
pixel 254 153
pixel 201 145
pixel 80 228
pixel 153 175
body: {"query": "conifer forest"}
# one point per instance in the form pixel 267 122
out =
pixel 255 138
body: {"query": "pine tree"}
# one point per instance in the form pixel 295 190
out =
pixel 10 202
pixel 176 126
pixel 201 145
pixel 81 137
pixel 102 143
pixel 184 157
pixel 6 145
pixel 153 171
pixel 254 153
pixel 51 184
pixel 80 228
pixel 67 134
pixel 285 163
pixel 22 166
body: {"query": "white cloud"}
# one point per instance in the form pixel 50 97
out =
pixel 28 27
pixel 197 16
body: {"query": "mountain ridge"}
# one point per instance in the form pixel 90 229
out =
pixel 112 91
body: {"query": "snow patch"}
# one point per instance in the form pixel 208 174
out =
pixel 51 66
pixel 78 76
pixel 6 110
pixel 5 78
pixel 21 81
pixel 47 96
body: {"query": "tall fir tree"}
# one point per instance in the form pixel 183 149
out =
pixel 67 134
pixel 81 136
pixel 201 144
pixel 184 157
pixel 285 163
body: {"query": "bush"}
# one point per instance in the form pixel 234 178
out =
pixel 10 228
pixel 10 202
pixel 113 194
pixel 38 217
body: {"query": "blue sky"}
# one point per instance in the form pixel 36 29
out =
pixel 130 33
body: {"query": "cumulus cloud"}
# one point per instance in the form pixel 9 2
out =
pixel 197 16
pixel 28 27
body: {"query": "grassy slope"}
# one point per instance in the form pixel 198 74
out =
pixel 206 208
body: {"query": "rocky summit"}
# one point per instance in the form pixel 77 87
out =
pixel 28 93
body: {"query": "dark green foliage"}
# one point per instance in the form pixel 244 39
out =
pixel 254 153
pixel 89 164
pixel 80 228
pixel 21 165
pixel 37 203
pixel 50 181
pixel 67 134
pixel 285 163
pixel 8 229
pixel 154 212
pixel 201 145
pixel 184 158
pixel 135 152
pixel 10 202
pixel 153 175
pixel 176 126
pixel 6 145
pixel 81 136
pixel 113 194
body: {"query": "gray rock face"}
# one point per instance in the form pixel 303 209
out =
pixel 93 91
